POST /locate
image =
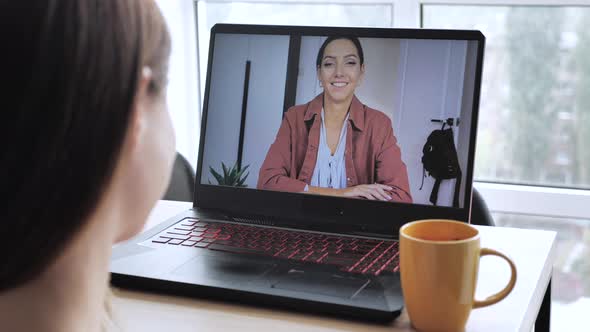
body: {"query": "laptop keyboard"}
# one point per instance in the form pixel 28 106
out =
pixel 356 255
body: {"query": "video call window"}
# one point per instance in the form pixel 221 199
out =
pixel 338 116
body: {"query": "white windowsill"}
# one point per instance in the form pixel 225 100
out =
pixel 545 201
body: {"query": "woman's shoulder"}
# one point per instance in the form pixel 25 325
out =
pixel 301 112
pixel 297 110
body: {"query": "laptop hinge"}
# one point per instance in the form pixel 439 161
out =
pixel 378 235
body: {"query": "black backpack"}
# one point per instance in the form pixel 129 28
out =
pixel 439 159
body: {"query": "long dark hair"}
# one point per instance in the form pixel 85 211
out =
pixel 354 40
pixel 71 68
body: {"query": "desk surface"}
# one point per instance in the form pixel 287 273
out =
pixel 532 251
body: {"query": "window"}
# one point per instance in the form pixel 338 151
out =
pixel 536 81
pixel 570 281
pixel 183 87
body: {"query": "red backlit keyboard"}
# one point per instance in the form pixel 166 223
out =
pixel 356 255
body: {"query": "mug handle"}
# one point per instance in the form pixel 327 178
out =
pixel 504 292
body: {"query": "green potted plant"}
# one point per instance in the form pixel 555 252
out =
pixel 233 176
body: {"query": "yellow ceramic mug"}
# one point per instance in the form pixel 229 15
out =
pixel 439 260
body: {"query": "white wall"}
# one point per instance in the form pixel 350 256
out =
pixel 183 88
pixel 307 80
pixel 268 56
pixel 430 85
pixel 466 110
pixel 382 58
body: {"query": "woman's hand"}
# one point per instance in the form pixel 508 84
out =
pixel 369 191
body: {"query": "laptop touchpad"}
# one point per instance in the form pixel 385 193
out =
pixel 319 282
pixel 213 266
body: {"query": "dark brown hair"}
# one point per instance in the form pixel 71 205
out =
pixel 354 40
pixel 71 68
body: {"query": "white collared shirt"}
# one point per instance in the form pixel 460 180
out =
pixel 330 170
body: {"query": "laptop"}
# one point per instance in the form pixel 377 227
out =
pixel 258 231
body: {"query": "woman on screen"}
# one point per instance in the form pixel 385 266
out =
pixel 334 145
pixel 87 150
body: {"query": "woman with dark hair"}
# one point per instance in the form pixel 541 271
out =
pixel 87 151
pixel 334 145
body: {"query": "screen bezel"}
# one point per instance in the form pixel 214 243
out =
pixel 325 213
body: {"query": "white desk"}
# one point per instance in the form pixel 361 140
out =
pixel 532 251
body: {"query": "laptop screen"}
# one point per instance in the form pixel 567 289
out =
pixel 374 118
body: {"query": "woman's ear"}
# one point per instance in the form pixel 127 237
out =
pixel 132 185
pixel 141 104
pixel 362 76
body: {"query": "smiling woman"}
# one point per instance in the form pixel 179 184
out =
pixel 341 147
